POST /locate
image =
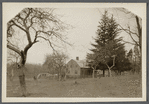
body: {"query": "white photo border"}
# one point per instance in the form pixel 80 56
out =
pixel 10 9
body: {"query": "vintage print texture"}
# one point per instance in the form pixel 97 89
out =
pixel 88 52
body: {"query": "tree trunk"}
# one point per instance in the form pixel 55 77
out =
pixel 109 72
pixel 12 73
pixel 140 39
pixel 59 76
pixel 22 70
pixel 103 73
pixel 23 85
pixel 139 32
pixel 65 76
pixel 93 73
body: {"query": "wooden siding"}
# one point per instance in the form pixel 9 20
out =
pixel 73 68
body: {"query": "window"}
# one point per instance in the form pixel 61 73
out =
pixel 76 72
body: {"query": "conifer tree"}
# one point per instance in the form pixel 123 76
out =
pixel 108 48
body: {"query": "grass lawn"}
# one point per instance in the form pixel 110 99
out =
pixel 120 86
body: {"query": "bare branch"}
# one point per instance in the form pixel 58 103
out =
pixel 130 34
pixel 112 65
pixel 10 44
pixel 14 49
pixel 128 31
pixel 107 65
pixel 59 37
pixel 31 21
pixel 129 42
pixel 29 12
pixel 132 37
pixel 47 40
pixel 113 61
pixel 18 26
pixel 27 47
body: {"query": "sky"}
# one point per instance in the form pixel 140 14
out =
pixel 84 22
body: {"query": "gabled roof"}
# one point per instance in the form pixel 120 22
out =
pixel 82 63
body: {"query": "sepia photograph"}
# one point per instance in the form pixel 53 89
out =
pixel 74 52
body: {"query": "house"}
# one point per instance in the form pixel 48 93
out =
pixel 78 68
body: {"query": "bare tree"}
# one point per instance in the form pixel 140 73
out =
pixel 57 62
pixel 92 62
pixel 32 25
pixel 104 55
pixel 133 33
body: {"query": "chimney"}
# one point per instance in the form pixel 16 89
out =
pixel 77 58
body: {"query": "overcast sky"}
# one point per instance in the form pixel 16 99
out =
pixel 85 22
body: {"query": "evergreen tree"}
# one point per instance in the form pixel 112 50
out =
pixel 108 48
pixel 135 59
pixel 122 62
pixel 130 55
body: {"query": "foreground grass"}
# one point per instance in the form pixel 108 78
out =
pixel 121 86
